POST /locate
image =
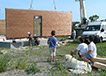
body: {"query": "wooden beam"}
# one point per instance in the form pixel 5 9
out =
pixel 102 60
pixel 100 65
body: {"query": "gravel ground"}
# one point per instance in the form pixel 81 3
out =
pixel 39 55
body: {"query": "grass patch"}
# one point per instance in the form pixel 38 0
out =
pixel 4 59
pixel 58 70
pixel 70 46
pixel 3 48
pixel 62 37
pixel 17 59
pixel 101 49
pixel 32 68
pixel 18 63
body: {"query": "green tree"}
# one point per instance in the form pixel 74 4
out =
pixel 93 18
pixel 103 20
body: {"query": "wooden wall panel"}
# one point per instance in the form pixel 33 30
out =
pixel 2 27
pixel 20 21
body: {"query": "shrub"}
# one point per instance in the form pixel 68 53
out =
pixel 58 70
pixel 18 63
pixel 102 73
pixel 4 59
pixel 32 68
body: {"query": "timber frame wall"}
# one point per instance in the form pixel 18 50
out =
pixel 2 27
pixel 21 21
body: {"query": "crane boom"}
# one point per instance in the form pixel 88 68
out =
pixel 82 10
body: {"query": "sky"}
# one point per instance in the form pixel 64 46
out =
pixel 92 7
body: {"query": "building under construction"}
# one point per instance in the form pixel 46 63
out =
pixel 2 27
pixel 39 23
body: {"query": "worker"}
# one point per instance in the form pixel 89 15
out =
pixel 82 48
pixel 74 35
pixel 52 45
pixel 92 53
pixel 30 39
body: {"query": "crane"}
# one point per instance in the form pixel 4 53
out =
pixel 83 18
pixel 82 10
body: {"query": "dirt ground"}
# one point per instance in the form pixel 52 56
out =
pixel 40 55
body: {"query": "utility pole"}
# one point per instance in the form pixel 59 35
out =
pixel 31 4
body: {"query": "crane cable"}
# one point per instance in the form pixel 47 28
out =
pixel 31 4
pixel 54 4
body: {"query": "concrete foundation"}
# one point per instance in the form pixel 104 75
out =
pixel 14 45
pixel 20 43
pixel 43 42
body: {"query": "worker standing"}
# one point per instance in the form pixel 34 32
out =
pixel 52 45
pixel 30 38
pixel 74 35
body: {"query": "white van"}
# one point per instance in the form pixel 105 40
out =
pixel 97 29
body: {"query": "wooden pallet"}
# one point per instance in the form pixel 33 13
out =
pixel 101 60
pixel 100 65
